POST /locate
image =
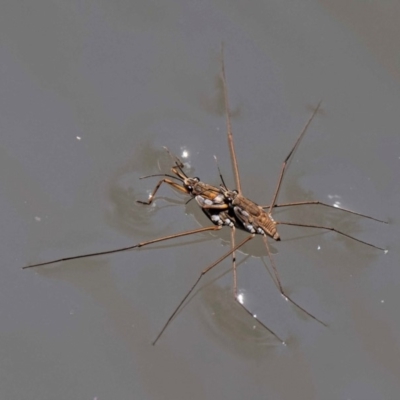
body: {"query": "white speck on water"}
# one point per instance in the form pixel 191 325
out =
pixel 386 251
pixel 319 248
pixel 382 301
pixel 255 315
pixel 240 298
pixel 38 219
pixel 78 137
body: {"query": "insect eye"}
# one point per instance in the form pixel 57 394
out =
pixel 190 188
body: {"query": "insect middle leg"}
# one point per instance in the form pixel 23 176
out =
pixel 121 249
pixel 329 228
pixel 317 202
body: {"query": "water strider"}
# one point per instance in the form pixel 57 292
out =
pixel 225 207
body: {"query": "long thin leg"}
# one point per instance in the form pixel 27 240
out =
pixel 169 182
pixel 228 124
pixel 330 229
pixel 234 248
pixel 290 154
pixel 235 293
pixel 142 244
pixel 226 272
pixel 196 283
pixel 178 161
pixel 317 202
pixel 280 287
pixel 235 289
pixel 220 173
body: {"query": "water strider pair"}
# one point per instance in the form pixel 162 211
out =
pixel 225 207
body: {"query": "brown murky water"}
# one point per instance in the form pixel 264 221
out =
pixel 90 92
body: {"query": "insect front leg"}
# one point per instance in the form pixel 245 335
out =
pixel 169 182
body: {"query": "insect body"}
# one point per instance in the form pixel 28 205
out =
pixel 253 218
pixel 191 186
pixel 210 198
